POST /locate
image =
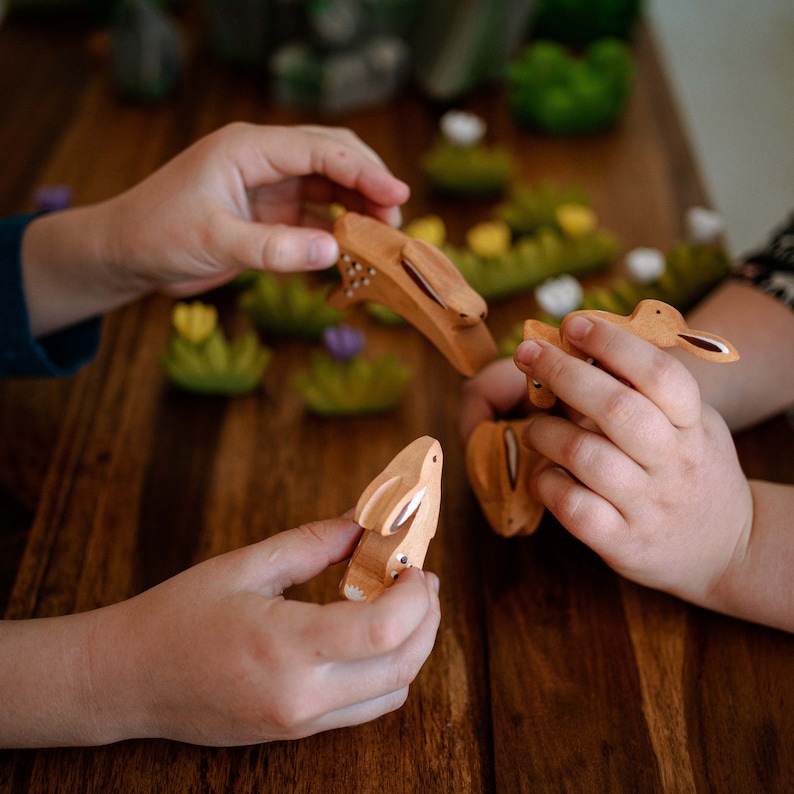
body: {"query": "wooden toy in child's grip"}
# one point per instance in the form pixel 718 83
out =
pixel 498 465
pixel 414 279
pixel 399 514
pixel 652 320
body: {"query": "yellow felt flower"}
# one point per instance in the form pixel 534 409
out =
pixel 429 228
pixel 576 220
pixel 489 238
pixel 194 321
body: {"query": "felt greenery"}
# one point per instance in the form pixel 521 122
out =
pixel 555 92
pixel 476 170
pixel 529 208
pixel 200 359
pixel 288 307
pixel 348 384
pixel 692 271
pixel 532 259
pixel 578 22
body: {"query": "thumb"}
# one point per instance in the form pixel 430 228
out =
pixel 277 247
pixel 297 555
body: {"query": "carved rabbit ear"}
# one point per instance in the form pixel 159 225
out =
pixel 707 346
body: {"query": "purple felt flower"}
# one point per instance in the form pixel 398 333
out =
pixel 52 197
pixel 344 342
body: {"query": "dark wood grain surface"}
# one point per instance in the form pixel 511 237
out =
pixel 550 673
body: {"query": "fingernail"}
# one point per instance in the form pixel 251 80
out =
pixel 323 251
pixel 394 217
pixel 527 352
pixel 578 326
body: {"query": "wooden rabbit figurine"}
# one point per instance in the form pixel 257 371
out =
pixel 414 279
pixel 399 514
pixel 497 465
pixel 652 320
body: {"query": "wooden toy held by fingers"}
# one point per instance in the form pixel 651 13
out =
pixel 414 279
pixel 655 321
pixel 498 464
pixel 399 514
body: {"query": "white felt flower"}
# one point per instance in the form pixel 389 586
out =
pixel 645 265
pixel 559 296
pixel 704 225
pixel 462 128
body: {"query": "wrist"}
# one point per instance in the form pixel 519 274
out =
pixel 72 269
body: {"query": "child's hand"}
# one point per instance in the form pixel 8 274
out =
pixel 241 198
pixel 217 656
pixel 648 474
pixel 496 390
pixel 237 199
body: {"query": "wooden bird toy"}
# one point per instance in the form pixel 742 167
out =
pixel 497 465
pixel 399 514
pixel 414 279
pixel 652 320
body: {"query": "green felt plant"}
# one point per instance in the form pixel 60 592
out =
pixel 199 358
pixel 692 271
pixel 288 307
pixel 529 208
pixel 532 259
pixel 476 170
pixel 554 92
pixel 579 22
pixel 351 388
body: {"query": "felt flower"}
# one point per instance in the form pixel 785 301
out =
pixel 429 228
pixel 575 220
pixel 489 238
pixel 344 342
pixel 462 128
pixel 646 265
pixel 704 225
pixel 52 197
pixel 194 321
pixel 559 296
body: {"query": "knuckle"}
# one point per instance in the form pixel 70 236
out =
pixel 621 406
pixel 276 250
pixel 382 636
pixel 290 711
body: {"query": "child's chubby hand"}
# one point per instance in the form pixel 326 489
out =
pixel 217 655
pixel 243 197
pixel 642 470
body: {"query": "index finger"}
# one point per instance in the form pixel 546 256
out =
pixel 651 371
pixel 272 153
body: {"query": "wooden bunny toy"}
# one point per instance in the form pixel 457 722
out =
pixel 399 514
pixel 652 320
pixel 497 465
pixel 414 279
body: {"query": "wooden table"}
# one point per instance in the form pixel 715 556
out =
pixel 550 672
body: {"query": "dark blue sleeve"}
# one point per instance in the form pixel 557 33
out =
pixel 57 354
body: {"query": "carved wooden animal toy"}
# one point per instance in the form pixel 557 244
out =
pixel 652 320
pixel 414 279
pixel 399 514
pixel 497 465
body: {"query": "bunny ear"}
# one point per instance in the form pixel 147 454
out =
pixel 707 346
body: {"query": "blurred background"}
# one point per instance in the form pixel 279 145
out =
pixel 730 64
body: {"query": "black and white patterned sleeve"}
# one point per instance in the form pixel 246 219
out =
pixel 771 268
